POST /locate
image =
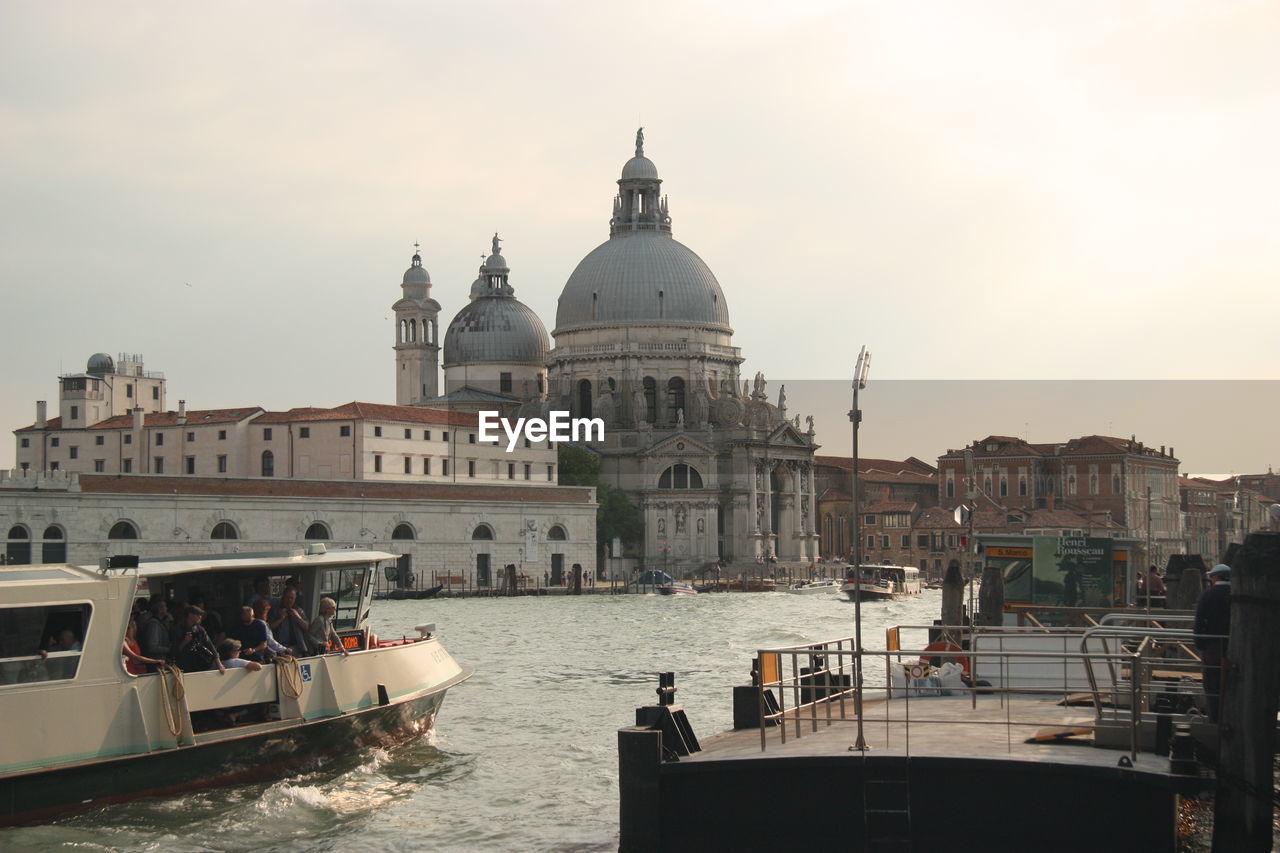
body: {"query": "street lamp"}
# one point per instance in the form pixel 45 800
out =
pixel 855 417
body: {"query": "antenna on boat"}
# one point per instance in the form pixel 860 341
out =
pixel 855 417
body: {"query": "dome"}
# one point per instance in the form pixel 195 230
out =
pixel 416 274
pixel 641 277
pixel 495 329
pixel 640 168
pixel 100 363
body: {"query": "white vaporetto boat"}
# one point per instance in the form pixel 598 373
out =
pixel 83 732
pixel 882 582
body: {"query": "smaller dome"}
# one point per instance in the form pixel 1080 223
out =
pixel 416 274
pixel 496 329
pixel 640 168
pixel 100 363
pixel 496 263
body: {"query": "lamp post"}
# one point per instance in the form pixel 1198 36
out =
pixel 855 417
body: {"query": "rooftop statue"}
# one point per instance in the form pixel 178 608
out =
pixel 640 142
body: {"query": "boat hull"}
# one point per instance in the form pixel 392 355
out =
pixel 248 754
pixel 866 594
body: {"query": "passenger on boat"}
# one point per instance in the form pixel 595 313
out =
pixel 135 663
pixel 154 632
pixel 1212 625
pixel 229 651
pixel 212 621
pixel 296 584
pixel 61 667
pixel 322 634
pixel 261 591
pixel 254 634
pixel 194 651
pixel 289 625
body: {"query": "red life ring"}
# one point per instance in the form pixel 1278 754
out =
pixel 917 670
pixel 947 646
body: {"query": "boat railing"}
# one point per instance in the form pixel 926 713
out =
pixel 1129 676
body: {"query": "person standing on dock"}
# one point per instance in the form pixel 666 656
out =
pixel 1213 624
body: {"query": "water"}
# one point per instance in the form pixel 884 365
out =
pixel 524 755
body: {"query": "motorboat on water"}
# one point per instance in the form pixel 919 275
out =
pixel 84 732
pixel 660 582
pixel 818 587
pixel 880 583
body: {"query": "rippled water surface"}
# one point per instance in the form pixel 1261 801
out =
pixel 524 755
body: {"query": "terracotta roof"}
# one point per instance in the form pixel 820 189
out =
pixel 889 506
pixel 936 516
pixel 833 495
pixel 372 412
pixel 52 423
pixel 353 489
pixel 910 470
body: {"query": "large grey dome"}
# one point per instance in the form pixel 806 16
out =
pixel 495 329
pixel 642 277
pixel 100 364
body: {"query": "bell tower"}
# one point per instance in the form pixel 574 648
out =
pixel 417 343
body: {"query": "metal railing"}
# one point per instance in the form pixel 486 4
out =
pixel 1128 673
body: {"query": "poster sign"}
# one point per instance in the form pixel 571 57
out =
pixel 1072 571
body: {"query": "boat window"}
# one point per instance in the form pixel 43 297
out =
pixel 41 643
pixel 347 588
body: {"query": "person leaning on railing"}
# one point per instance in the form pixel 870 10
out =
pixel 1213 624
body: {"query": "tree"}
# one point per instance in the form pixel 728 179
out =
pixel 616 515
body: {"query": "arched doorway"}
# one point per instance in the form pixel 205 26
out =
pixel 584 398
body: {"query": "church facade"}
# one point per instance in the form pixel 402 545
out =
pixel 642 341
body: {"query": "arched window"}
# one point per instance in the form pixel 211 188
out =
pixel 1115 484
pixel 402 531
pixel 224 530
pixel 556 533
pixel 482 531
pixel 122 530
pixel 584 398
pixel 54 549
pixel 675 395
pixel 680 476
pixel 650 399
pixel 18 548
pixel 268 464
pixel 318 531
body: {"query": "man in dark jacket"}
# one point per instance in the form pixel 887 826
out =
pixel 1213 624
pixel 153 634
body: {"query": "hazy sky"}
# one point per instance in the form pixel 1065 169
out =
pixel 1031 191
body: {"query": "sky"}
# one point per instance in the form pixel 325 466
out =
pixel 980 192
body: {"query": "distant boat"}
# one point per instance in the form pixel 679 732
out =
pixel 818 587
pixel 660 582
pixel 882 583
pixel 402 594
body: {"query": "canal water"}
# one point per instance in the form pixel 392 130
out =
pixel 524 755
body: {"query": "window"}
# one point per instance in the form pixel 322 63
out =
pixel 869 520
pixel 444 436
pixel 54 549
pixel 528 471
pixel 408 433
pixel 191 436
pixel 471 468
pixel 444 467
pixel 266 434
pixel 222 435
pixel 504 383
pixel 75 413
pixel 426 466
pixel 482 531
pixel 222 464
pixel 922 541
pixel 680 476
pixel 99 440
pixel 551 473
pixel 28 628
pixel 344 430
pixel 377 464
pixel 26 442
pixel 155 392
pixel 304 432
pixel 224 530
pixel 528 443
pixel 99 466
pixel 408 464
pixel 897 519
pixel 53 442
pixel 377 432
pixel 157 465
pixel 190 462
pixel 122 530
pixel 1022 488
pixel 906 540
pixel 268 464
pixel 128 390
pixel 18 548
pixel 426 435
pixel 511 470
pixel 556 533
pixel 871 542
pixel 1004 487
pixel 128 439
pixel 318 530
pixel 159 439
pixel 126 466
pixel 402 531
pixel 884 541
pixel 471 438
pixel 54 466
pixel 73 452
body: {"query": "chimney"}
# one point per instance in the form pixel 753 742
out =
pixel 1171 451
pixel 137 418
pixel 42 414
pixel 182 412
pixel 1162 450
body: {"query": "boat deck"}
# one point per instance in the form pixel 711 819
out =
pixel 939 727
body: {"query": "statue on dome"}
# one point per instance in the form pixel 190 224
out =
pixel 640 142
pixel 782 399
pixel 496 240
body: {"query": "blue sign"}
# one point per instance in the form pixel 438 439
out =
pixel 305 669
